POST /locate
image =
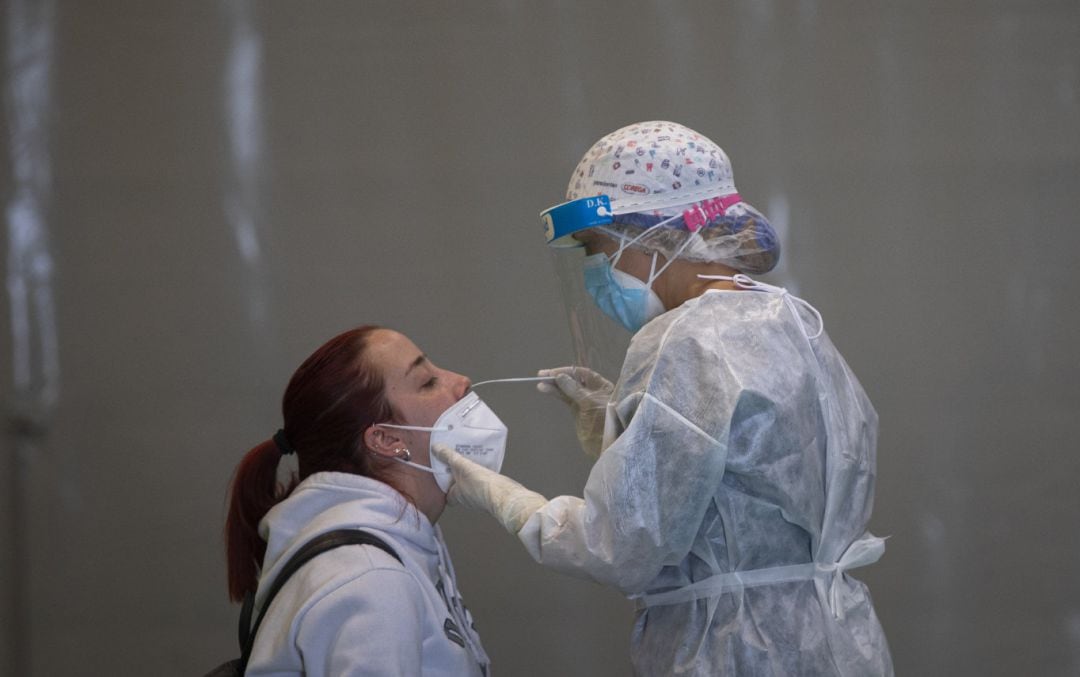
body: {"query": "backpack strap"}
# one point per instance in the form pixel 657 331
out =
pixel 314 547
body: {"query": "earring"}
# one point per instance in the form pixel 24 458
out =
pixel 399 453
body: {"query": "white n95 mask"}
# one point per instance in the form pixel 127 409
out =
pixel 470 428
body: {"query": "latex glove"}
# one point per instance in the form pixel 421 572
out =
pixel 588 394
pixel 477 487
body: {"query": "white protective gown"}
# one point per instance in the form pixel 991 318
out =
pixel 733 443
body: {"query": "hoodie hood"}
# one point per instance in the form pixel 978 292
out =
pixel 332 500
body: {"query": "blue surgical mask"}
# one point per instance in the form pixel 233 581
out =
pixel 621 296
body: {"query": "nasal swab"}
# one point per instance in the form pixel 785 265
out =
pixel 515 380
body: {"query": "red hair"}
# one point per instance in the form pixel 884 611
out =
pixel 330 401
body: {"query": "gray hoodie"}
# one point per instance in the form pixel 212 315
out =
pixel 355 610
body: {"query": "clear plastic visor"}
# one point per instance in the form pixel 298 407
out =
pixel 599 342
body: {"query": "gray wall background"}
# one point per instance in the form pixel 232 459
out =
pixel 198 194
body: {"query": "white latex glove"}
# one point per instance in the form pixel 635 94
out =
pixel 477 487
pixel 588 394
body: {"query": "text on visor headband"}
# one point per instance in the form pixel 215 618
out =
pixel 562 221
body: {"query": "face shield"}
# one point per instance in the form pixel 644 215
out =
pixel 599 343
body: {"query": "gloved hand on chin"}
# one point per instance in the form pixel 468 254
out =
pixel 588 393
pixel 477 487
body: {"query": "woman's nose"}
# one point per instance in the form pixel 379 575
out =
pixel 464 385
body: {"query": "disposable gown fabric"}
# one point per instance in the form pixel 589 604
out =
pixel 733 443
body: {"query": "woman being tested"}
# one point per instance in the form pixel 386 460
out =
pixel 735 455
pixel 358 414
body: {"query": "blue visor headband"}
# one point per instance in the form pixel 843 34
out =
pixel 562 221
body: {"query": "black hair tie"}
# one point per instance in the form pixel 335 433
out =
pixel 282 443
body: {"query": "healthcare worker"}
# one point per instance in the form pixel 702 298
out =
pixel 735 466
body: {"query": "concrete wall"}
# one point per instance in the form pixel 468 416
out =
pixel 198 194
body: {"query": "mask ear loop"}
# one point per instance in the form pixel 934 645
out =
pixel 673 258
pixel 403 461
pixel 412 427
pixel 625 243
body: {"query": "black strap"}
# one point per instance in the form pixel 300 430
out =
pixel 314 547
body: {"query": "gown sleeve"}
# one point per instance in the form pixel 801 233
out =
pixel 646 496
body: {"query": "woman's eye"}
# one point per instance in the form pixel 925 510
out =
pixel 431 382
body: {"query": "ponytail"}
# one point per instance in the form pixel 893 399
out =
pixel 330 401
pixel 253 492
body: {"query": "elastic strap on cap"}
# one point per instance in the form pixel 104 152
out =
pixel 700 215
pixel 673 198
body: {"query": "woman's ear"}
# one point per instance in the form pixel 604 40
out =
pixel 383 441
